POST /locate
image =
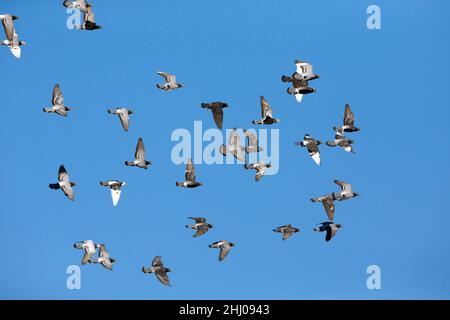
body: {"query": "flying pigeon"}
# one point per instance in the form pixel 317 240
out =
pixel 159 270
pixel 217 111
pixel 349 120
pixel 12 39
pixel 58 106
pixel 266 113
pixel 252 142
pixel 287 231
pixel 103 258
pixel 330 227
pixel 260 168
pixel 63 183
pixel 201 226
pixel 224 246
pixel 123 114
pixel 341 141
pixel 346 191
pixel 139 157
pixel 189 176
pixel 234 146
pixel 89 249
pixel 89 19
pixel 170 82
pixel 328 205
pixel 299 87
pixel 313 147
pixel 115 187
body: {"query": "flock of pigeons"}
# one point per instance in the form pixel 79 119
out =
pixel 299 81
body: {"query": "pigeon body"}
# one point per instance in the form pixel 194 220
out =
pixel 217 111
pixel 330 228
pixel 224 246
pixel 189 175
pixel 63 183
pixel 159 270
pixel 103 258
pixel 89 249
pixel 341 141
pixel 116 189
pixel 349 120
pixel 58 106
pixel 313 147
pixel 170 82
pixel 200 225
pixel 12 38
pixel 139 157
pixel 266 113
pixel 260 168
pixel 287 231
pixel 123 114
pixel 234 146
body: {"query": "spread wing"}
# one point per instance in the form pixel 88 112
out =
pixel 344 185
pixel 218 116
pixel 331 231
pixel 162 276
pixel 328 205
pixel 287 234
pixel 8 25
pixel 62 174
pixel 157 261
pixel 86 257
pixel 140 150
pixel 252 140
pixel 198 219
pixel 223 253
pixel 266 110
pixel 200 231
pixel 124 119
pixel 349 117
pixel 190 171
pixel 169 78
pixel 57 97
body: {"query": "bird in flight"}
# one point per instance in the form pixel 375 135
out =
pixel 234 146
pixel 124 115
pixel 260 168
pixel 89 249
pixel 170 82
pixel 139 157
pixel 266 113
pixel 349 121
pixel 63 183
pixel 159 270
pixel 313 147
pixel 330 228
pixel 328 205
pixel 200 226
pixel 190 181
pixel 287 231
pixel 224 246
pixel 217 111
pixel 12 38
pixel 341 141
pixel 58 106
pixel 103 258
pixel 116 189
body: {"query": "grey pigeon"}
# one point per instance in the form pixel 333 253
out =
pixel 330 228
pixel 63 183
pixel 139 157
pixel 159 270
pixel 123 114
pixel 341 141
pixel 313 147
pixel 287 231
pixel 328 205
pixel 12 39
pixel 234 146
pixel 58 106
pixel 346 191
pixel 217 111
pixel 224 246
pixel 260 168
pixel 266 113
pixel 189 175
pixel 200 226
pixel 170 82
pixel 252 142
pixel 103 258
pixel 89 249
pixel 116 189
pixel 349 120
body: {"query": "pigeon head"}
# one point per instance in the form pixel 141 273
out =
pixel 338 225
pixel 232 244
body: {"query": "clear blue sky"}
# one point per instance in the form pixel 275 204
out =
pixel 396 80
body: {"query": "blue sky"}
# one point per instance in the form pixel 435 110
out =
pixel 395 80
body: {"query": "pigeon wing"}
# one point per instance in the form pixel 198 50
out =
pixel 162 276
pixel 344 185
pixel 223 253
pixel 190 171
pixel 57 97
pixel 140 150
pixel 124 119
pixel 62 174
pixel 218 116
pixel 349 117
pixel 8 25
pixel 157 262
pixel 328 205
pixel 266 110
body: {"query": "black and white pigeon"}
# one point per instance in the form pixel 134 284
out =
pixel 159 270
pixel 313 147
pixel 12 38
pixel 88 19
pixel 58 106
pixel 260 168
pixel 189 175
pixel 328 205
pixel 76 4
pixel 63 183
pixel 116 189
pixel 346 191
pixel 341 141
pixel 200 226
pixel 349 120
pixel 266 113
pixel 224 246
pixel 287 231
pixel 252 142
pixel 170 82
pixel 234 146
pixel 89 248
pixel 217 111
pixel 103 258
pixel 123 114
pixel 330 228
pixel 139 157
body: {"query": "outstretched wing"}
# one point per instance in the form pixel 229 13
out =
pixel 62 174
pixel 57 97
pixel 266 110
pixel 190 171
pixel 200 231
pixel 8 25
pixel 344 185
pixel 349 117
pixel 157 261
pixel 223 253
pixel 169 78
pixel 252 139
pixel 162 276
pixel 124 119
pixel 328 205
pixel 198 219
pixel 140 150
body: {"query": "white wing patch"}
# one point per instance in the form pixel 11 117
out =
pixel 316 157
pixel 115 194
pixel 298 97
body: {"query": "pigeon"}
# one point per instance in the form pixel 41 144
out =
pixel 266 112
pixel 170 82
pixel 224 246
pixel 189 176
pixel 58 106
pixel 313 147
pixel 12 39
pixel 260 168
pixel 89 19
pixel 89 249
pixel 123 114
pixel 328 205
pixel 115 187
pixel 76 4
pixel 217 111
pixel 159 270
pixel 234 146
pixel 341 141
pixel 299 87
pixel 330 227
pixel 103 258
pixel 287 231
pixel 252 142
pixel 346 191
pixel 139 157
pixel 305 71
pixel 63 183
pixel 201 226
pixel 349 120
